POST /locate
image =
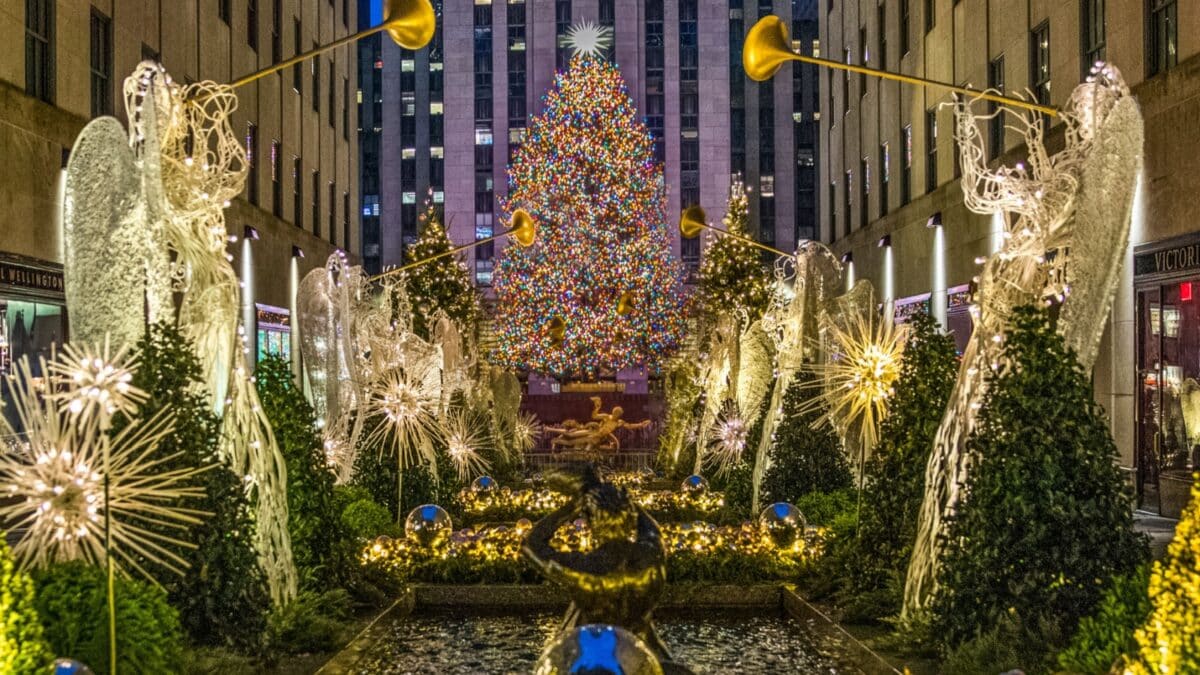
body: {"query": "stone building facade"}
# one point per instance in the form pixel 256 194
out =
pixel 892 206
pixel 66 64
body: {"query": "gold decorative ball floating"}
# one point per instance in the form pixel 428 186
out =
pixel 410 23
pixel 767 46
pixel 523 228
pixel 692 221
pixel 625 304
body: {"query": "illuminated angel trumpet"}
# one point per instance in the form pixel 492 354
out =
pixel 693 220
pixel 522 227
pixel 767 47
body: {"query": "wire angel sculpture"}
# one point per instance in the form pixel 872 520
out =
pixel 1066 230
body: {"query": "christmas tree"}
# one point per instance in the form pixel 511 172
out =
pixel 600 289
pixel 442 284
pixel 732 275
pixel 806 456
pixel 1046 523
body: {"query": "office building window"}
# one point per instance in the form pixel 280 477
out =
pixel 906 174
pixel 316 202
pixel 297 77
pixel 847 188
pixel 333 213
pixel 276 31
pixel 905 24
pixel 866 60
pixel 881 24
pixel 1092 38
pixel 315 69
pixel 930 14
pixel 931 158
pixel 346 108
pixel 1162 41
pixel 224 9
pixel 101 64
pixel 332 95
pixel 346 220
pixel 276 181
pixel 39 49
pixel 833 210
pixel 885 176
pixel 297 192
pixel 562 25
pixel 1039 62
pixel 252 163
pixel 846 86
pixel 996 123
pixel 864 190
pixel 252 24
pixel 655 95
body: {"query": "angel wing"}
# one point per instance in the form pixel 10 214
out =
pixel 754 372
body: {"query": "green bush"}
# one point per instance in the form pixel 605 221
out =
pixel 1008 646
pixel 1046 523
pixel 72 601
pixel 365 519
pixel 312 622
pixel 872 582
pixel 222 597
pixel 804 458
pixel 1108 633
pixel 375 471
pixel 823 508
pixel 313 523
pixel 23 648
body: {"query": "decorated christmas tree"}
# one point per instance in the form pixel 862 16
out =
pixel 442 284
pixel 600 289
pixel 732 275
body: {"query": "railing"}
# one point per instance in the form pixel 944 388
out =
pixel 635 459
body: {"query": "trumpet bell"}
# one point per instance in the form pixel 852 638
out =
pixel 410 23
pixel 766 47
pixel 692 221
pixel 625 304
pixel 523 228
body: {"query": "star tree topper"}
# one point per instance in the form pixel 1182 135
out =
pixel 588 38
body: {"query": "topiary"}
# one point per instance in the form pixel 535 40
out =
pixel 72 601
pixel 442 284
pixel 222 597
pixel 366 519
pixel 895 473
pixel 313 522
pixel 804 458
pixel 23 647
pixel 1109 632
pixel 1169 642
pixel 1046 522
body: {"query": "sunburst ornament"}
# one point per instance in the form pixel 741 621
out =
pixel 403 406
pixel 527 431
pixel 730 435
pixel 588 39
pixel 462 445
pixel 98 383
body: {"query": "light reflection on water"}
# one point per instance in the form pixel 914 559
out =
pixel 456 644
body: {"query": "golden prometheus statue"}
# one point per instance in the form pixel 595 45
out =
pixel 596 435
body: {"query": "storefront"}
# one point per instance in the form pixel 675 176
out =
pixel 273 332
pixel 958 314
pixel 1167 342
pixel 33 316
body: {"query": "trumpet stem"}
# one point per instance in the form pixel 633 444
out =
pixel 925 82
pixel 748 240
pixel 443 254
pixel 301 58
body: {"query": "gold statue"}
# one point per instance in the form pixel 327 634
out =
pixel 597 435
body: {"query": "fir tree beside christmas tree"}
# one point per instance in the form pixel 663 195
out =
pixel 806 455
pixel 733 277
pixel 441 284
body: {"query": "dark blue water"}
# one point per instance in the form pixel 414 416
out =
pixel 453 644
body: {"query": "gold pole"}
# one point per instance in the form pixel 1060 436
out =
pixel 300 58
pixel 748 240
pixel 443 254
pixel 768 45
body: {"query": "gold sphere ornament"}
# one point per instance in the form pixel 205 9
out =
pixel 523 228
pixel 410 23
pixel 782 523
pixel 692 221
pixel 428 525
pixel 597 649
pixel 557 329
pixel 625 304
pixel 766 47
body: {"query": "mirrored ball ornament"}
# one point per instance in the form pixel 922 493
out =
pixel 694 485
pixel 783 523
pixel 484 484
pixel 597 649
pixel 70 667
pixel 428 525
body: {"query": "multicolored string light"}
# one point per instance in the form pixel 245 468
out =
pixel 587 175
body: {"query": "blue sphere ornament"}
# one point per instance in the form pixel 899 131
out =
pixel 70 667
pixel 783 523
pixel 428 525
pixel 694 485
pixel 597 649
pixel 484 484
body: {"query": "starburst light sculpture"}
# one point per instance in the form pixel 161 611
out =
pixel 730 435
pixel 462 445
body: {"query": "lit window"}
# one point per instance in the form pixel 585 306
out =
pixel 483 136
pixel 436 152
pixel 408 153
pixel 436 108
pixel 408 66
pixel 766 186
pixel 816 48
pixel 409 198
pixel 439 197
pixel 516 135
pixel 435 66
pixel 797 117
pixel 360 95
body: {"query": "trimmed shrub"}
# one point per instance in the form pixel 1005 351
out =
pixel 804 458
pixel 1108 633
pixel 222 597
pixel 72 601
pixel 366 519
pixel 23 648
pixel 1046 522
pixel 313 622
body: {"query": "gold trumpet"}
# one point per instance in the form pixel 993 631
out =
pixel 410 24
pixel 768 46
pixel 522 227
pixel 625 303
pixel 693 220
pixel 557 329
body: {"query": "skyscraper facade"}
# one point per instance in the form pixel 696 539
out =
pixel 455 112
